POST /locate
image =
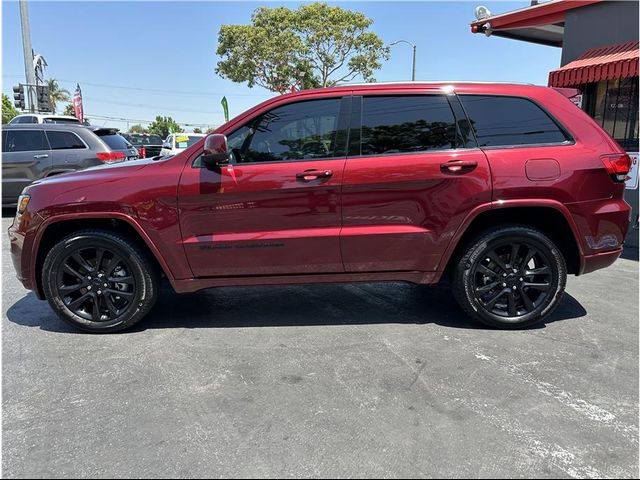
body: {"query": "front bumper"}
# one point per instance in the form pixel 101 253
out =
pixel 21 236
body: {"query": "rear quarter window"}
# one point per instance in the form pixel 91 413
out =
pixel 116 142
pixel 508 121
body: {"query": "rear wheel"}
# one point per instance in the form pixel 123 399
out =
pixel 510 277
pixel 99 281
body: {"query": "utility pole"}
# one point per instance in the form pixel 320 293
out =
pixel 29 71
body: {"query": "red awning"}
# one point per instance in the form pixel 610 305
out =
pixel 602 63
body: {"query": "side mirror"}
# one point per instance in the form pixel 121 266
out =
pixel 215 150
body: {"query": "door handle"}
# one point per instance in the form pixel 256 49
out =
pixel 458 166
pixel 44 155
pixel 310 175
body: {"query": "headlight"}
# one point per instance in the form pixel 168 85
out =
pixel 23 201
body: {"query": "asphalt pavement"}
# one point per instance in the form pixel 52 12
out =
pixel 351 380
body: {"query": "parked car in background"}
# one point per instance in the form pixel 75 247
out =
pixel 34 151
pixel 177 142
pixel 147 144
pixel 116 142
pixel 504 189
pixel 43 118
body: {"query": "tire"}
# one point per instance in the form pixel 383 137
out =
pixel 76 270
pixel 491 289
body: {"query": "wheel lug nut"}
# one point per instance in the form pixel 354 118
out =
pixel 504 284
pixel 520 278
pixel 106 285
pixel 89 287
pixel 515 270
pixel 88 277
pixel 100 291
pixel 514 287
pixel 504 274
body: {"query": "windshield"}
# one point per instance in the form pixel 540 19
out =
pixel 142 139
pixel 184 141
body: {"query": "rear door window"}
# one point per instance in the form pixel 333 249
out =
pixel 508 121
pixel 406 123
pixel 25 141
pixel 64 140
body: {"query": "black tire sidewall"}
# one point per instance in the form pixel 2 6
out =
pixel 487 242
pixel 143 291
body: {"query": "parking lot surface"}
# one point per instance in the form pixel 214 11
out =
pixel 375 380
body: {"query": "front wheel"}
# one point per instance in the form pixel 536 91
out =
pixel 99 281
pixel 510 277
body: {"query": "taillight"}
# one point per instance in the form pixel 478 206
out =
pixel 142 152
pixel 110 157
pixel 617 165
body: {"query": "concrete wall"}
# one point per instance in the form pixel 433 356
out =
pixel 598 25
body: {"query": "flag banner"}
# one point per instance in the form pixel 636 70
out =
pixel 225 108
pixel 77 104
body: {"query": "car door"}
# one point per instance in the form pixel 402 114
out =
pixel 412 174
pixel 25 157
pixel 69 151
pixel 275 209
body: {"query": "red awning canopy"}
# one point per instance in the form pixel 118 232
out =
pixel 602 63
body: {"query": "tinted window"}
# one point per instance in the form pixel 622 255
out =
pixel 116 141
pixel 412 123
pixel 298 131
pixel 25 140
pixel 64 140
pixel 142 139
pixel 26 119
pixel 510 121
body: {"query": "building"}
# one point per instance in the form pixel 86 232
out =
pixel 599 42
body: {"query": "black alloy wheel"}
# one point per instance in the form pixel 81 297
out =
pixel 510 277
pixel 100 281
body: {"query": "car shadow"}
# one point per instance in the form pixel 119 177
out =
pixel 278 306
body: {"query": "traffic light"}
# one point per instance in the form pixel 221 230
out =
pixel 18 97
pixel 44 104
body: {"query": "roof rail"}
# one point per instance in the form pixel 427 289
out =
pixel 430 82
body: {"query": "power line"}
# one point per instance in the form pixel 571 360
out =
pixel 138 120
pixel 155 90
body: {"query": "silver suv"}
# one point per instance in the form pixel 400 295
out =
pixel 34 151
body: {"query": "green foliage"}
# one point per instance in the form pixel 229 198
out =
pixel 137 128
pixel 69 110
pixel 8 110
pixel 197 130
pixel 316 45
pixel 163 126
pixel 57 94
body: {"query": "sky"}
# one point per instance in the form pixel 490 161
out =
pixel 136 60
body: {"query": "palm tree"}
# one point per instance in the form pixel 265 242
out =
pixel 57 94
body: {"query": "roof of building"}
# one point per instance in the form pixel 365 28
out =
pixel 539 23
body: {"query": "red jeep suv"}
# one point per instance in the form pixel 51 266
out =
pixel 503 188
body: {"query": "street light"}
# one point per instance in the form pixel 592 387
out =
pixel 413 71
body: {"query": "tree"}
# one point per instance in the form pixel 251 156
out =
pixel 197 130
pixel 163 126
pixel 316 45
pixel 57 94
pixel 8 110
pixel 69 110
pixel 137 128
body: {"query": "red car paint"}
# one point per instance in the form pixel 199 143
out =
pixel 391 217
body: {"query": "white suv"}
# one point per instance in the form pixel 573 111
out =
pixel 177 142
pixel 43 118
